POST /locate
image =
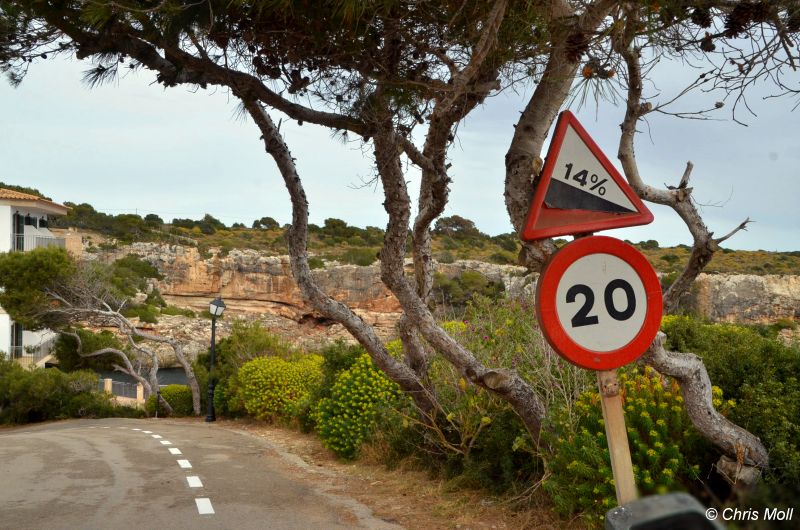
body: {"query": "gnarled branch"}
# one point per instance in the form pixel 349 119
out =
pixel 691 374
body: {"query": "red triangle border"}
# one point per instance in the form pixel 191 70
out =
pixel 559 222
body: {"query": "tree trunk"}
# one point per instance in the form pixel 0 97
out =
pixel 398 372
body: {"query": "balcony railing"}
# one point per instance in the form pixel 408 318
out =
pixel 30 356
pixel 31 242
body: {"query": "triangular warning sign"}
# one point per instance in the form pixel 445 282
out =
pixel 580 190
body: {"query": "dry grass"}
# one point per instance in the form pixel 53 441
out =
pixel 406 495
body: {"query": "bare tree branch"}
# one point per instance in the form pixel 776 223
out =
pixel 691 374
pixel 679 199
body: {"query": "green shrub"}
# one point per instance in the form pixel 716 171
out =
pixel 247 341
pixel 145 313
pixel 49 394
pixel 154 298
pixel 456 292
pixel 668 279
pixel 670 258
pixel 650 244
pixel 270 387
pixel 359 256
pixel 348 417
pixel 129 274
pixel 172 310
pixel 761 374
pixel 445 257
pixel 338 356
pixel 179 398
pixel 503 258
pixel 475 436
pixel 316 263
pixel 659 434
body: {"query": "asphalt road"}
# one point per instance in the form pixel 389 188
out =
pixel 134 474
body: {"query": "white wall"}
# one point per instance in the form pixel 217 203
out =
pixel 5 334
pixel 36 338
pixel 7 212
pixel 5 228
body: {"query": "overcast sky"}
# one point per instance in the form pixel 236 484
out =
pixel 135 147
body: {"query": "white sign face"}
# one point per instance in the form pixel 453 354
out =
pixel 579 180
pixel 601 302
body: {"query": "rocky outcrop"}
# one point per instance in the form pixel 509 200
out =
pixel 260 285
pixel 254 282
pixel 747 298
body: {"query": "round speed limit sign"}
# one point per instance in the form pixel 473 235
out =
pixel 598 302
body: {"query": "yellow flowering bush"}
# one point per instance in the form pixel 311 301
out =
pixel 660 436
pixel 178 396
pixel 272 387
pixel 346 418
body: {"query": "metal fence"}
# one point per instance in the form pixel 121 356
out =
pixel 17 352
pixel 31 242
pixel 33 355
pixel 127 390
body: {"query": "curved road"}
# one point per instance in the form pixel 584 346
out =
pixel 157 474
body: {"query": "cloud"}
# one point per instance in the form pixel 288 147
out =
pixel 133 146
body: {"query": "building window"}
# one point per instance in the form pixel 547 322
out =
pixel 43 222
pixel 19 229
pixel 16 341
pixel 30 221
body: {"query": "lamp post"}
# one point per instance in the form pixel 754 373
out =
pixel 216 307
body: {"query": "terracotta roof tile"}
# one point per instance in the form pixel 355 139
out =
pixel 18 195
pixel 12 195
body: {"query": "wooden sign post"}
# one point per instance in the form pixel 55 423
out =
pixel 617 436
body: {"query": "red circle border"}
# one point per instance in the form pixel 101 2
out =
pixel 545 301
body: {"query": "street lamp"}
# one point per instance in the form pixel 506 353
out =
pixel 216 307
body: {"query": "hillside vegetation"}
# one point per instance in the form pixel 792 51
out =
pixel 454 238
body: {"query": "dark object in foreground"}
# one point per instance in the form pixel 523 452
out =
pixel 662 512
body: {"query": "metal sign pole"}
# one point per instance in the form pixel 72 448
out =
pixel 617 436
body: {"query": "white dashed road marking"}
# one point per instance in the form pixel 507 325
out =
pixel 204 506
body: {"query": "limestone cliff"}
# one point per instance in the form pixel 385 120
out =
pixel 747 298
pixel 256 284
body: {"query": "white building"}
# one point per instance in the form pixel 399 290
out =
pixel 24 227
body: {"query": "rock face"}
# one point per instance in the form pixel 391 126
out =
pixel 747 298
pixel 258 285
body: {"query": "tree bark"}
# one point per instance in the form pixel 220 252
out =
pixel 691 374
pixel 505 383
pixel 297 238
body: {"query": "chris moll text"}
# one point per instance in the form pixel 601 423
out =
pixel 768 514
